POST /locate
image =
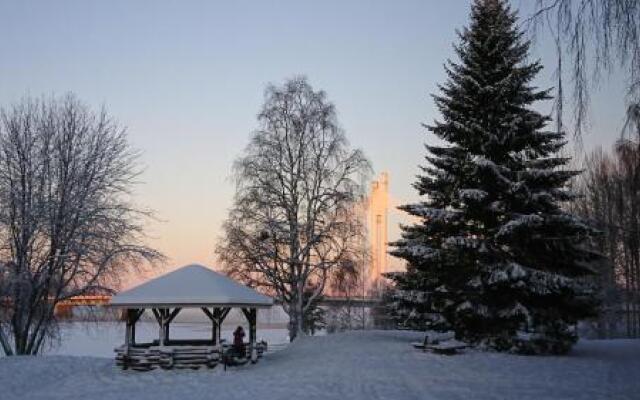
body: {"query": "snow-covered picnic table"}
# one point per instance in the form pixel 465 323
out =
pixel 440 343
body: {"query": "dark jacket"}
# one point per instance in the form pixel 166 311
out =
pixel 238 338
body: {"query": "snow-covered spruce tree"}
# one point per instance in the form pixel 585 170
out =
pixel 495 257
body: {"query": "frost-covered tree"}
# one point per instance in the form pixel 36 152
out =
pixel 68 225
pixel 495 257
pixel 294 220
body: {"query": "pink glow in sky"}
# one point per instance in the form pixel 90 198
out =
pixel 187 79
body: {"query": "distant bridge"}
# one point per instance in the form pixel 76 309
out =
pixel 88 300
pixel 339 301
pixel 63 308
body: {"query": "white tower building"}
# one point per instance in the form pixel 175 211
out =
pixel 377 219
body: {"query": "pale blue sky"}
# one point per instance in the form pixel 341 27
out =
pixel 187 79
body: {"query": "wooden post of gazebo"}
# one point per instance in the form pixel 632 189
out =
pixel 132 315
pixel 214 323
pixel 251 315
pixel 217 318
pixel 223 312
pixel 164 317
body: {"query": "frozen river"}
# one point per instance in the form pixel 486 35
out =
pixel 100 338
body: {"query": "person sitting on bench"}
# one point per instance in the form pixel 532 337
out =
pixel 238 342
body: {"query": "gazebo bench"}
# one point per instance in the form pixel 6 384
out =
pixel 148 356
pixel 145 358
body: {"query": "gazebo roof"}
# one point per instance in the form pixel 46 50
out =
pixel 191 286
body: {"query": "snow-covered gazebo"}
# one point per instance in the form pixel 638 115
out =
pixel 192 286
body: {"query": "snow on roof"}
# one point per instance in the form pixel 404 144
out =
pixel 192 285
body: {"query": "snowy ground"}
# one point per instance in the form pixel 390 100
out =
pixel 356 365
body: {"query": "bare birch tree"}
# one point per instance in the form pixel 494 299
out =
pixel 293 220
pixel 67 223
pixel 611 189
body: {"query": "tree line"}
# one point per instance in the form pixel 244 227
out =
pixel 610 188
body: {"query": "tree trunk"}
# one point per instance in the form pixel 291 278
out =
pixel 296 313
pixel 300 308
